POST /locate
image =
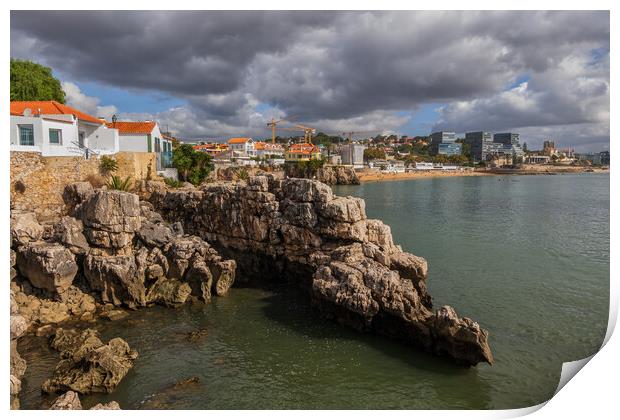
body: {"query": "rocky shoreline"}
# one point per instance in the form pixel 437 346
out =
pixel 115 251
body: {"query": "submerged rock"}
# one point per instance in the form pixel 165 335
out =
pixel 88 365
pixel 112 405
pixel 68 401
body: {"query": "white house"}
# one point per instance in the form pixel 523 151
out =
pixel 244 145
pixel 144 136
pixel 55 129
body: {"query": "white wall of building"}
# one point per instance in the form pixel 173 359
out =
pixel 105 140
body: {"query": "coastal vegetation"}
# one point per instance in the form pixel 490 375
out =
pixel 108 165
pixel 118 183
pixel 33 82
pixel 193 166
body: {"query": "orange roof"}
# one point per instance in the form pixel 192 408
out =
pixel 238 140
pixel 303 148
pixel 50 108
pixel 133 127
pixel 261 145
pixel 213 146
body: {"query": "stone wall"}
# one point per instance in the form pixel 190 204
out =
pixel 37 182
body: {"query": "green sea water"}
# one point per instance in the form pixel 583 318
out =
pixel 525 256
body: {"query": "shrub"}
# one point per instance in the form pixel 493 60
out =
pixel 243 174
pixel 174 183
pixel 193 166
pixel 108 165
pixel 118 183
pixel 19 187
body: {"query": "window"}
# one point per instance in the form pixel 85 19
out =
pixel 26 135
pixel 55 136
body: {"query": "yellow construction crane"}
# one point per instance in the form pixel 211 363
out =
pixel 273 124
pixel 307 133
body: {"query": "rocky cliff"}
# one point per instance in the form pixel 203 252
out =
pixel 330 175
pixel 349 263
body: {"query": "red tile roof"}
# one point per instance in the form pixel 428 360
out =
pixel 50 108
pixel 303 148
pixel 238 140
pixel 133 127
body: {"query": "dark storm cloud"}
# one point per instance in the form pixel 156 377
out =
pixel 336 66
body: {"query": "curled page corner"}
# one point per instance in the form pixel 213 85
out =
pixel 570 369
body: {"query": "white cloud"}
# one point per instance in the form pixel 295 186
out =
pixel 88 104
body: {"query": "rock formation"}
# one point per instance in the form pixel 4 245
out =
pixel 87 364
pixel 355 273
pixel 330 175
pixel 71 401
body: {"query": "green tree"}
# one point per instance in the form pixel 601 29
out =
pixel 374 153
pixel 34 82
pixel 193 166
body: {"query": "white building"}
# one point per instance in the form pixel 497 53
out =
pixel 243 145
pixel 145 137
pixel 55 129
pixel 353 154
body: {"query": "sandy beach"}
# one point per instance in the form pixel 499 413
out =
pixel 379 176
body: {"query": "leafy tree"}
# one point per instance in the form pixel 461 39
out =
pixel 34 82
pixel 193 166
pixel 374 153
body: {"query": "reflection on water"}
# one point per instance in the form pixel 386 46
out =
pixel 527 257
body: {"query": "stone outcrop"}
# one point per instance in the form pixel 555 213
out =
pixel 87 364
pixel 355 273
pixel 330 175
pixel 25 228
pixel 71 401
pixel 68 401
pixel 48 266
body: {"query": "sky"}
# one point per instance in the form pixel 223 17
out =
pixel 218 74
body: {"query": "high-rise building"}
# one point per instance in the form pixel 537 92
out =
pixel 353 154
pixel 443 143
pixel 480 144
pixel 510 141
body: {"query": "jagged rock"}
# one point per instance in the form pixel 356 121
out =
pixel 78 303
pixel 155 235
pixel 330 175
pixel 223 273
pixel 297 228
pixel 15 388
pixel 110 218
pixel 25 228
pixel 460 338
pixel 13 261
pixel 74 194
pixel 114 314
pixel 168 292
pixel 200 279
pixel 117 278
pixel 19 325
pixel 18 364
pixel 47 266
pixel 68 231
pixel 68 401
pixel 87 364
pixel 112 405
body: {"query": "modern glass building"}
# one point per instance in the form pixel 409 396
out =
pixel 441 138
pixel 510 140
pixel 449 149
pixel 480 143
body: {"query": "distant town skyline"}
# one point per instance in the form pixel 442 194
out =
pixel 544 75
